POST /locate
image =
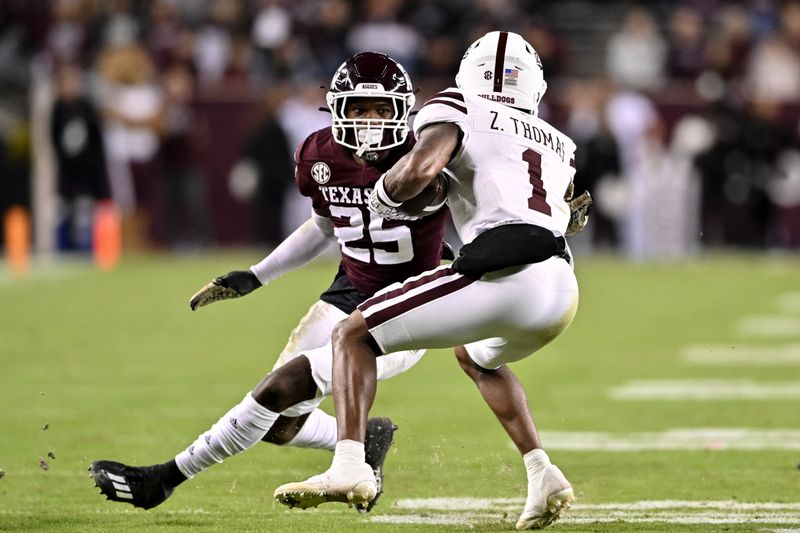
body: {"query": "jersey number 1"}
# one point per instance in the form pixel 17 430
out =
pixel 538 199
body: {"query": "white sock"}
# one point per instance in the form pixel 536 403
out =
pixel 348 452
pixel 535 461
pixel 319 431
pixel 239 429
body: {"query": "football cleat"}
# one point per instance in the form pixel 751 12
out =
pixel 549 496
pixel 351 484
pixel 379 438
pixel 140 486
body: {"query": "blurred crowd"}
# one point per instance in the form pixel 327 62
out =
pixel 185 113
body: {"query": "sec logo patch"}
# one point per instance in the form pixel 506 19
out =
pixel 321 172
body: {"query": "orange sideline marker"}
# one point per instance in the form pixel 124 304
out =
pixel 107 238
pixel 17 238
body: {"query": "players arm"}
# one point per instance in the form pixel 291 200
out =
pixel 434 149
pixel 415 170
pixel 306 243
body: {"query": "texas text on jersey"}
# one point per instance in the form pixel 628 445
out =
pixel 375 252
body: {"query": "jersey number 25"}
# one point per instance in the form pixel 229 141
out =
pixel 365 239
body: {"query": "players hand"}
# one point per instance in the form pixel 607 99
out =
pixel 231 285
pixel 382 205
pixel 386 212
pixel 570 192
pixel 579 211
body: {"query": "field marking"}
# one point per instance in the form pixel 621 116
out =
pixel 748 355
pixel 706 389
pixel 470 504
pixel 676 439
pixel 472 511
pixel 47 271
pixel 458 504
pixel 789 302
pixel 769 326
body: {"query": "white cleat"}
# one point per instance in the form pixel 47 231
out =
pixel 549 496
pixel 351 484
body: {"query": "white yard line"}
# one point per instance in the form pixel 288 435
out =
pixel 471 511
pixel 481 504
pixel 47 271
pixel 706 389
pixel 436 520
pixel 744 355
pixel 727 505
pixel 471 519
pixel 769 326
pixel 789 302
pixel 677 439
pixel 677 517
pixel 458 504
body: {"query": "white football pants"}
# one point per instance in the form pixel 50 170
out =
pixel 312 338
pixel 503 317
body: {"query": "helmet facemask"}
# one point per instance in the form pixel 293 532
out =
pixel 376 76
pixel 367 136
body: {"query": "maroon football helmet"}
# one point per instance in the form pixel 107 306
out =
pixel 370 75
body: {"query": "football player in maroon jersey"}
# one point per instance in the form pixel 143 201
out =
pixel 370 99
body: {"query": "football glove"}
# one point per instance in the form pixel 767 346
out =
pixel 579 213
pixel 380 204
pixel 231 285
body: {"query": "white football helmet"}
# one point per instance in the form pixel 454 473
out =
pixel 503 67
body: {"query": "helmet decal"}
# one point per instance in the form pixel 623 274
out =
pixel 499 60
pixel 502 67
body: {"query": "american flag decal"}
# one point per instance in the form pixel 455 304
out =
pixel 510 76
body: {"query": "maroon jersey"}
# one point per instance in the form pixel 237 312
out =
pixel 375 252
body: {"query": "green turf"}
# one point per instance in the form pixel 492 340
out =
pixel 115 366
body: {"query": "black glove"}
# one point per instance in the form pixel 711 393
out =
pixel 507 246
pixel 231 285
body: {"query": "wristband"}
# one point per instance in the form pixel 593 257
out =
pixel 382 194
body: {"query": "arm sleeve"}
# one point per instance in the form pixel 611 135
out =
pixel 306 243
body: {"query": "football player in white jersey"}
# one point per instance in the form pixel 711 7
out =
pixel 512 289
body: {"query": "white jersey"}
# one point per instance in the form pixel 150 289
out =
pixel 511 167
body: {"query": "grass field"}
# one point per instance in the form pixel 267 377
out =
pixel 671 403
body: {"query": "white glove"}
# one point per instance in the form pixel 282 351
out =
pixel 380 204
